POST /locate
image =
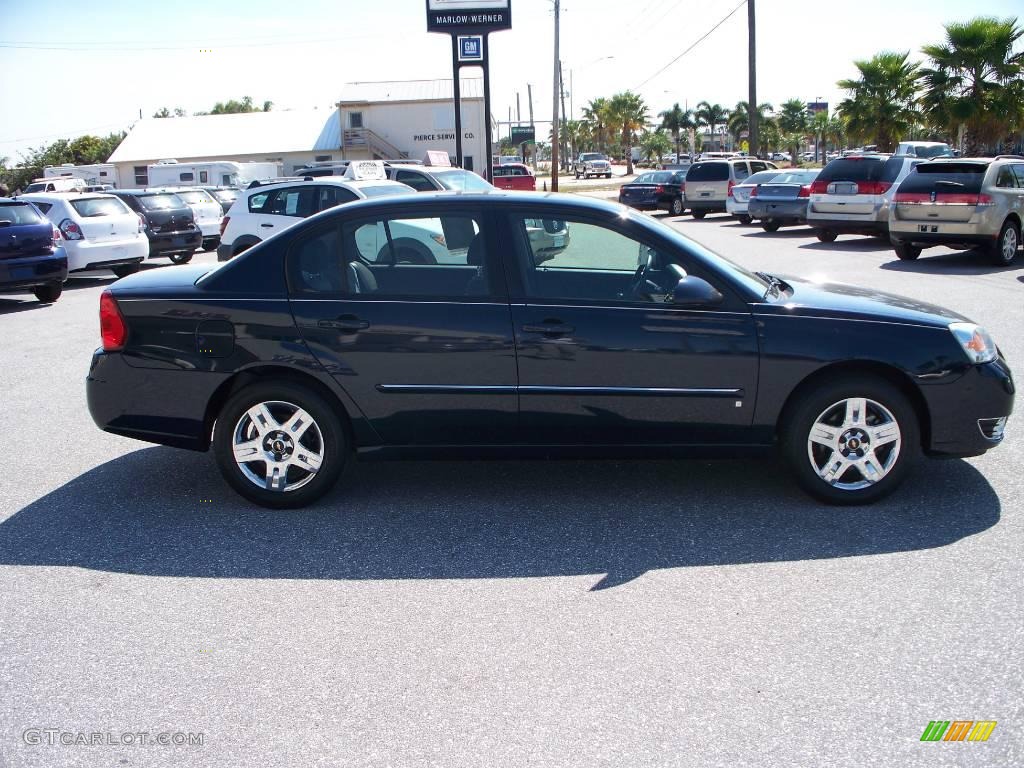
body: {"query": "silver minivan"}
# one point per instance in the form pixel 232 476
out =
pixel 709 182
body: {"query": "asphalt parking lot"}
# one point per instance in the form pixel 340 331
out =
pixel 506 613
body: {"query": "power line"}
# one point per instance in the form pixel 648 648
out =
pixel 695 44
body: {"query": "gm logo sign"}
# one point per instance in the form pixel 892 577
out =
pixel 958 730
pixel 471 48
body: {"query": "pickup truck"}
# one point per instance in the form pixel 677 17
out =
pixel 592 164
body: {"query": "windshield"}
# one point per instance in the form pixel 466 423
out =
pixel 225 195
pixel 591 156
pixel 463 181
pixel 161 202
pixel 193 197
pixel 99 206
pixel 713 171
pixel 939 150
pixel 383 190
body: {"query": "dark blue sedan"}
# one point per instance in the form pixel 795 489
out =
pixel 319 346
pixel 655 190
pixel 31 256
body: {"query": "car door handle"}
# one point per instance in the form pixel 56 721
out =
pixel 550 328
pixel 344 323
pixel 268 226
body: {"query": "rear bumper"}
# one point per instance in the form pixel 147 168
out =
pixel 984 392
pixel 737 207
pixel 904 233
pixel 647 204
pixel 849 226
pixel 87 254
pixel 161 244
pixel 169 409
pixel 32 271
pixel 709 206
pixel 782 210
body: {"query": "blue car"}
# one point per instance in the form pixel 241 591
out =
pixel 31 256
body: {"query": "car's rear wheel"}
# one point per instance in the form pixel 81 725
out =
pixel 280 445
pixel 906 251
pixel 826 235
pixel 699 214
pixel 125 269
pixel 180 258
pixel 677 207
pixel 851 440
pixel 1004 250
pixel 47 294
pixel 607 175
pixel 744 218
pixel 770 226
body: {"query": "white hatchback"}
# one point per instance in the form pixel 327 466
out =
pixel 98 231
pixel 205 209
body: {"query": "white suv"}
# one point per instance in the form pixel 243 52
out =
pixel 98 231
pixel 267 209
pixel 205 210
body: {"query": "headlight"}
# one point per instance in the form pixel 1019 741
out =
pixel 976 343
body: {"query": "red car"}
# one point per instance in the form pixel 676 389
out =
pixel 514 176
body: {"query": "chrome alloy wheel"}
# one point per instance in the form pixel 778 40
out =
pixel 1009 245
pixel 278 446
pixel 854 443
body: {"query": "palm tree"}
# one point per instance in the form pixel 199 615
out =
pixel 710 115
pixel 595 116
pixel 793 123
pixel 738 121
pixel 676 120
pixel 975 80
pixel 628 114
pixel 655 143
pixel 881 104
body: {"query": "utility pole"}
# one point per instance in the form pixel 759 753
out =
pixel 529 97
pixel 753 132
pixel 561 90
pixel 555 136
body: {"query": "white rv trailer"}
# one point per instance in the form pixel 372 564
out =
pixel 219 173
pixel 93 175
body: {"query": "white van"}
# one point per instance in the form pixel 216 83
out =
pixel 56 185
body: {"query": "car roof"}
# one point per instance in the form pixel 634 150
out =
pixel 142 192
pixel 337 181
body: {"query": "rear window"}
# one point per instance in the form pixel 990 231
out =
pixel 708 172
pixel 90 207
pixel 37 187
pixel 861 169
pixel 794 177
pixel 18 213
pixel 761 177
pixel 225 195
pixel 160 202
pixel 592 156
pixel 195 196
pixel 945 177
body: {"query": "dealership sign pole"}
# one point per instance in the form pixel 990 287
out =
pixel 469 22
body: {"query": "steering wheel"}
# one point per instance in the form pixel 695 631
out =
pixel 639 280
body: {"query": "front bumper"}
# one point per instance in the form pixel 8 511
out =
pixel 32 271
pixel 984 392
pixel 596 171
pixel 782 210
pixel 162 244
pixel 849 226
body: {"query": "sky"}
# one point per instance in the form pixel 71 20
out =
pixel 69 68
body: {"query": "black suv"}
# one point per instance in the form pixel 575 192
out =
pixel 170 225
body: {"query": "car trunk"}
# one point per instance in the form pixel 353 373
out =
pixel 105 220
pixel 170 220
pixel 776 192
pixel 18 240
pixel 638 192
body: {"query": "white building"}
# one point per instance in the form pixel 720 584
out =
pixel 395 119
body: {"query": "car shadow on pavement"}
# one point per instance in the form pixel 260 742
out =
pixel 161 512
pixel 956 263
pixel 789 232
pixel 10 306
pixel 860 244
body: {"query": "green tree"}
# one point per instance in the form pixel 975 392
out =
pixel 595 117
pixel 628 114
pixel 676 120
pixel 793 124
pixel 738 121
pixel 881 101
pixel 711 116
pixel 232 107
pixel 165 112
pixel 655 144
pixel 975 80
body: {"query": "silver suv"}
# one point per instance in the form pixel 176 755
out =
pixel 960 203
pixel 709 183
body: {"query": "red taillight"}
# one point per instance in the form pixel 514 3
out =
pixel 873 187
pixel 819 187
pixel 912 197
pixel 659 189
pixel 942 198
pixel 805 191
pixel 112 328
pixel 71 230
pixel 753 192
pixel 728 192
pixel 56 236
pixel 142 222
pixel 224 224
pixel 984 200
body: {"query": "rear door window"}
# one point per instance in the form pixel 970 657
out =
pixel 417 181
pixel 708 172
pixel 160 202
pixel 1006 178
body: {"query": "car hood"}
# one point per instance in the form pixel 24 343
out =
pixel 824 299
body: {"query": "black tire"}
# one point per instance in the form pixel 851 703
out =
pixel 126 269
pixel 744 218
pixel 999 252
pixel 770 226
pixel 699 214
pixel 408 251
pixel 906 251
pixel 241 249
pixel 826 235
pixel 577 176
pixel 334 444
pixel 607 175
pixel 802 415
pixel 180 258
pixel 47 294
pixel 211 243
pixel 677 207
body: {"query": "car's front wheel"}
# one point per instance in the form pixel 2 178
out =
pixel 770 226
pixel 826 235
pixel 280 445
pixel 744 218
pixel 125 269
pixel 677 207
pixel 180 258
pixel 47 294
pixel 699 214
pixel 1005 248
pixel 851 440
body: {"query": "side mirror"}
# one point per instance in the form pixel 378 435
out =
pixel 693 291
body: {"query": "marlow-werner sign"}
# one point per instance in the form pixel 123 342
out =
pixel 468 15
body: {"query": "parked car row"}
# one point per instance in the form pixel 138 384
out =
pixel 920 197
